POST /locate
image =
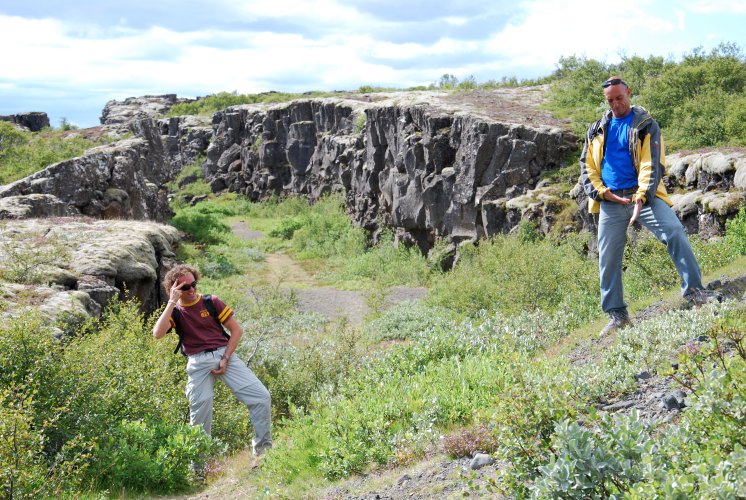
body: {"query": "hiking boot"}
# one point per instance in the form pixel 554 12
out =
pixel 701 297
pixel 617 321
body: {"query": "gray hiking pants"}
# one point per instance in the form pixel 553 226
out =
pixel 244 384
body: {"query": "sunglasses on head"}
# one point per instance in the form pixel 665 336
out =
pixel 614 81
pixel 188 286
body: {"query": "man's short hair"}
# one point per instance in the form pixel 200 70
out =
pixel 614 80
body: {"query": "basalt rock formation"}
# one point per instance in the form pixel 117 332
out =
pixel 430 165
pixel 426 171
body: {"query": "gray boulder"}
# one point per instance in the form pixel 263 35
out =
pixel 94 261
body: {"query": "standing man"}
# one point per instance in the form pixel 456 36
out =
pixel 621 169
pixel 210 354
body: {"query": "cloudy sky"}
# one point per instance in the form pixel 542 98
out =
pixel 69 57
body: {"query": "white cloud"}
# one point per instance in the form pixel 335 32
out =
pixel 311 12
pixel 717 7
pixel 550 29
pixel 456 21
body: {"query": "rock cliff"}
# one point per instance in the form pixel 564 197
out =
pixel 419 167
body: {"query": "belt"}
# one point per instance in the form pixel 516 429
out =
pixel 625 191
pixel 206 351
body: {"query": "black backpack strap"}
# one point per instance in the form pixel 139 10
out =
pixel 176 315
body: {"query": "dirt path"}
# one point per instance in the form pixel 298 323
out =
pixel 325 300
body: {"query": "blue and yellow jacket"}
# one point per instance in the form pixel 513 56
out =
pixel 645 148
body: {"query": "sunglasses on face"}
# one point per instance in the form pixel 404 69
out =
pixel 614 81
pixel 188 286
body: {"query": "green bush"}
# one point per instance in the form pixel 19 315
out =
pixel 406 320
pixel 327 232
pixel 287 227
pixel 383 265
pixel 697 101
pixel 137 456
pixel 590 465
pixel 72 411
pixel 218 266
pixel 202 222
pixel 735 233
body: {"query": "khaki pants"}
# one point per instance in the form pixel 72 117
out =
pixel 244 384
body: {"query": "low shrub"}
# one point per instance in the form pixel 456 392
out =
pixel 468 441
pixel 155 457
pixel 287 228
pixel 586 464
pixel 327 232
pixel 202 223
pixel 383 265
pixel 735 232
pixel 406 320
pixel 28 257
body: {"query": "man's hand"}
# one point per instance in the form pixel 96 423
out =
pixel 636 211
pixel 220 370
pixel 175 292
pixel 609 196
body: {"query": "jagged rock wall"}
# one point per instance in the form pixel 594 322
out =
pixel 119 181
pixel 426 173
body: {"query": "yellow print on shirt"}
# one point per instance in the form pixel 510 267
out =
pixel 204 313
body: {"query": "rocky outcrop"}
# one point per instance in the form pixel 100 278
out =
pixel 427 173
pixel 185 140
pixel 709 188
pixel 32 121
pixel 84 263
pixel 119 181
pixel 138 108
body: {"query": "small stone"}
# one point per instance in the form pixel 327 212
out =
pixel 621 405
pixel 405 478
pixel 670 403
pixel 643 375
pixel 480 460
pixel 681 398
pixel 656 395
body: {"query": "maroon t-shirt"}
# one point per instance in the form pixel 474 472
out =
pixel 201 331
